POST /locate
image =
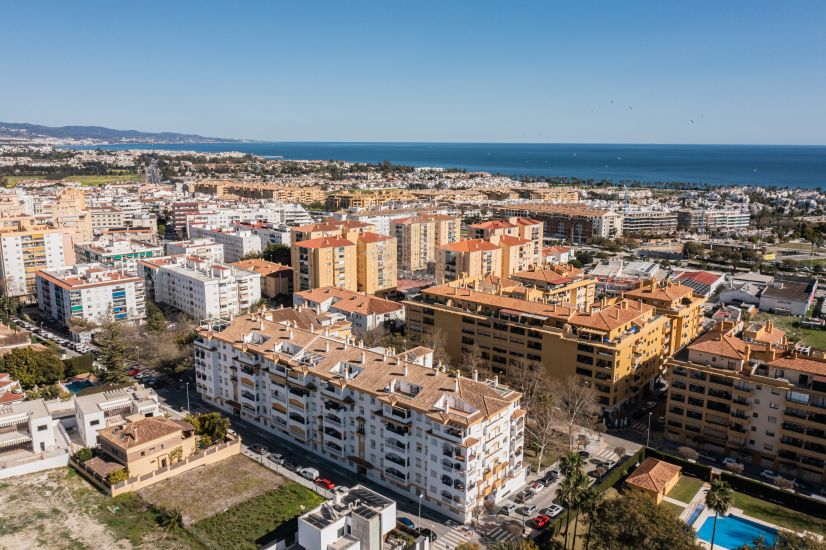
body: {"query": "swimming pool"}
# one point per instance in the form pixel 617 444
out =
pixel 77 385
pixel 735 531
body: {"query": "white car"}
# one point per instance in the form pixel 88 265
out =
pixel 728 460
pixel 553 510
pixel 768 474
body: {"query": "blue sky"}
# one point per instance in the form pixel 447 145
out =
pixel 613 71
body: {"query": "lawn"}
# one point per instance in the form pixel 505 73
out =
pixel 84 180
pixel 811 337
pixel 685 489
pixel 773 513
pixel 673 507
pixel 205 491
pixel 242 525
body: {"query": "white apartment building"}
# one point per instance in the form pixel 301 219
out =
pixel 116 252
pixel 111 408
pixel 93 292
pixel 212 217
pixel 201 288
pixel 237 243
pixel 413 428
pixel 383 219
pixel 359 519
pixel 269 233
pixel 649 221
pixel 205 248
pixel 24 252
pixel 26 425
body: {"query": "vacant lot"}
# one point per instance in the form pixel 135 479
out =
pixel 58 509
pixel 84 180
pixel 205 491
pixel 810 337
pixel 243 525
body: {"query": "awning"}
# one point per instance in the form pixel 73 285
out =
pixel 13 438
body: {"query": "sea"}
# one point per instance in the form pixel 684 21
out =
pixel 757 165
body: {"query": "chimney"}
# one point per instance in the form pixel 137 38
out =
pixel 326 346
pixel 475 375
pixel 405 370
pixel 495 380
pixel 456 385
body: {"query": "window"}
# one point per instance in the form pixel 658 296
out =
pixel 94 422
pixel 42 428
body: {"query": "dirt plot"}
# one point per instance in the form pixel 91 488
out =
pixel 58 509
pixel 211 489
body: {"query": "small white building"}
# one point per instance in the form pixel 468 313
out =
pixel 237 243
pixel 93 292
pixel 106 409
pixel 365 312
pixel 358 519
pixel 205 248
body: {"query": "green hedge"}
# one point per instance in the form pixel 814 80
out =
pixel 770 493
pixel 619 471
pixel 78 364
pixel 691 468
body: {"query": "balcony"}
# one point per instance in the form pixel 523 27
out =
pixel 396 459
pixel 402 431
pixel 332 420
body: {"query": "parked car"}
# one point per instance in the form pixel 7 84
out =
pixel 291 466
pixel 309 473
pixel 584 454
pixel 325 483
pixel 134 372
pixel 556 472
pixel 258 449
pixel 553 510
pixel 728 460
pixel 522 497
pixel 407 522
pixel 608 464
pixel 536 487
pixel 528 510
pixel 548 478
pixel 768 474
pixel 508 508
pixel 541 521
pixel 276 458
pixel 428 533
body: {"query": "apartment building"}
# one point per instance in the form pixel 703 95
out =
pixel 649 221
pixel 144 445
pixel 25 426
pixel 364 312
pixel 408 426
pixel 105 218
pixel 26 249
pixel 554 285
pixel 362 199
pixel 199 287
pixel 382 219
pixel 110 408
pixel 376 263
pixel 618 349
pixel 116 252
pixel 331 227
pixel 325 261
pixel 269 233
pixel 706 220
pixel 68 211
pixel 468 259
pixel 237 243
pixel 577 223
pixel 204 247
pixel 550 194
pixel 417 238
pixel 677 302
pixel 359 519
pixel 92 292
pixel 751 396
pixel 288 194
pixel 276 279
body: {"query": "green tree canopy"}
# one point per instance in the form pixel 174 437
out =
pixel 635 521
pixel 213 425
pixel 33 367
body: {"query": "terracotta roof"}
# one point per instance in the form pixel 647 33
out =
pixel 469 245
pixel 493 224
pixel 718 343
pixel 699 277
pixel 800 363
pixel 370 237
pixel 142 431
pixel 548 250
pixel 262 267
pixel 510 240
pixel 667 293
pixel 325 242
pixel 653 475
pixel 349 301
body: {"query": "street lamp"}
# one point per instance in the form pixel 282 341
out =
pixel 420 506
pixel 187 398
pixel 648 433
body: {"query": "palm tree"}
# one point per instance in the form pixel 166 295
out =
pixel 570 462
pixel 719 498
pixel 589 504
pixel 570 492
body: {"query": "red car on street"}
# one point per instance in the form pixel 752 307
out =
pixel 541 521
pixel 325 483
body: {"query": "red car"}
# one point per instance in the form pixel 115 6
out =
pixel 133 372
pixel 541 521
pixel 325 483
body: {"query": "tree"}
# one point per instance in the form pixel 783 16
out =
pixel 436 341
pixel 718 499
pixel 782 483
pixel 117 345
pixel 635 521
pixel 117 476
pixel 735 467
pixel 83 454
pixel 786 540
pixel 47 392
pixel 513 545
pixel 542 425
pixel 570 493
pixel 374 338
pixel 176 454
pixel 577 403
pixel 687 453
pixel 589 504
pixel 278 253
pixel 212 425
pixel 155 320
pixel 620 451
pixel 33 367
pixel 472 361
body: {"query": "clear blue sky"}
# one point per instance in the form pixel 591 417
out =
pixel 745 71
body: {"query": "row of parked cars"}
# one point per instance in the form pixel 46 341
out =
pixel 309 473
pixel 43 333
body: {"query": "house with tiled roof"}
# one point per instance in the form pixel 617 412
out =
pixel 365 312
pixel 704 283
pixel 410 426
pixel 655 478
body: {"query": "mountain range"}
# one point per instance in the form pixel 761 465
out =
pixel 99 134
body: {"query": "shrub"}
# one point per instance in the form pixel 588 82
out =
pixel 83 454
pixel 117 476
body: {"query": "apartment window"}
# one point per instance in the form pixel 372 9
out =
pixel 42 428
pixel 94 422
pixel 772 420
pixel 768 447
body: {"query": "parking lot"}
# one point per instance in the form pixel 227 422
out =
pixel 49 334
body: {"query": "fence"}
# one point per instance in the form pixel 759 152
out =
pixel 292 476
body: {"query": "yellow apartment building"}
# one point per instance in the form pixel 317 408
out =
pixel 618 349
pixel 417 238
pixel 472 258
pixel 376 263
pixel 679 303
pixel 325 261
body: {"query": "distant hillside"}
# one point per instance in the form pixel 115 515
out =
pixel 99 134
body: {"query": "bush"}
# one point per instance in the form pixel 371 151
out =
pixel 78 365
pixel 83 454
pixel 117 476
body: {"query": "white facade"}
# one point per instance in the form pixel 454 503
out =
pixel 22 253
pixel 90 291
pixel 97 411
pixel 413 429
pixel 363 311
pixel 26 425
pixel 205 248
pixel 201 288
pixel 279 214
pixel 237 243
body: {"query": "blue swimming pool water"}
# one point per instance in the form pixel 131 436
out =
pixel 734 532
pixel 77 385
